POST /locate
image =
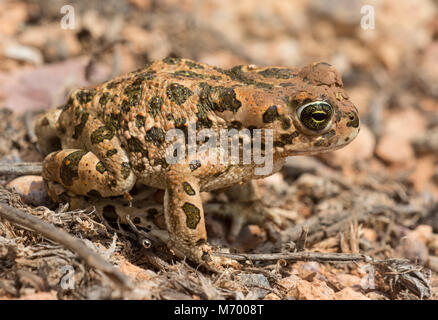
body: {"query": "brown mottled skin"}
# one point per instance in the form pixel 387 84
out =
pixel 113 136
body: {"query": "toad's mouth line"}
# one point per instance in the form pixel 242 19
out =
pixel 315 151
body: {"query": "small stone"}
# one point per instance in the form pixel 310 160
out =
pixel 32 189
pixel 289 282
pixel 369 234
pixel 135 272
pixel 23 53
pixel 350 294
pixel 394 149
pixel 255 283
pixel 315 290
pixel 414 250
pixel 348 280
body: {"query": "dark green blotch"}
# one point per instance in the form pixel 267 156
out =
pixel 147 75
pixel 188 74
pixel 113 84
pixel 162 162
pixel 68 104
pixel 227 99
pixel 178 93
pixel 287 84
pixel 180 124
pixel 188 189
pixel 126 170
pixel 171 60
pixel 286 123
pixel 217 98
pixel 78 111
pixel 277 73
pixel 195 164
pixel 205 103
pixel 155 105
pixel 203 121
pixel 135 145
pixel 85 95
pixel 101 134
pixel 104 98
pixel 140 167
pixel 195 65
pixel 111 152
pixel 288 138
pixel 353 120
pixel 193 215
pixel 236 125
pixel 237 74
pixel 125 106
pixel 100 167
pixel 338 116
pixel 263 85
pixel 80 127
pixel 113 121
pixel 69 167
pixel 270 114
pixel 214 77
pixel 139 121
pixel 156 135
pixel 133 92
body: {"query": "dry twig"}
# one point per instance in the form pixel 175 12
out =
pixel 20 169
pixel 23 219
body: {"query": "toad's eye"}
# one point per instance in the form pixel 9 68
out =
pixel 315 115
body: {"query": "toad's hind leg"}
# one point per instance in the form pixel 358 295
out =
pixel 244 206
pixel 101 167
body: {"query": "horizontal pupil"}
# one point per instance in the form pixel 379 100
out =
pixel 319 116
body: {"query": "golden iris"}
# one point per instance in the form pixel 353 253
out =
pixel 315 115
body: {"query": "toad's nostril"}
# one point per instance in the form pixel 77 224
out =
pixel 354 120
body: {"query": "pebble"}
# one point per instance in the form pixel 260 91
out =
pixel 31 189
pixel 254 282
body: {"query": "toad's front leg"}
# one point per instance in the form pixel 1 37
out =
pixel 185 218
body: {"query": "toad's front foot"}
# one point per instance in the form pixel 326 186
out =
pixel 202 256
pixel 185 221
